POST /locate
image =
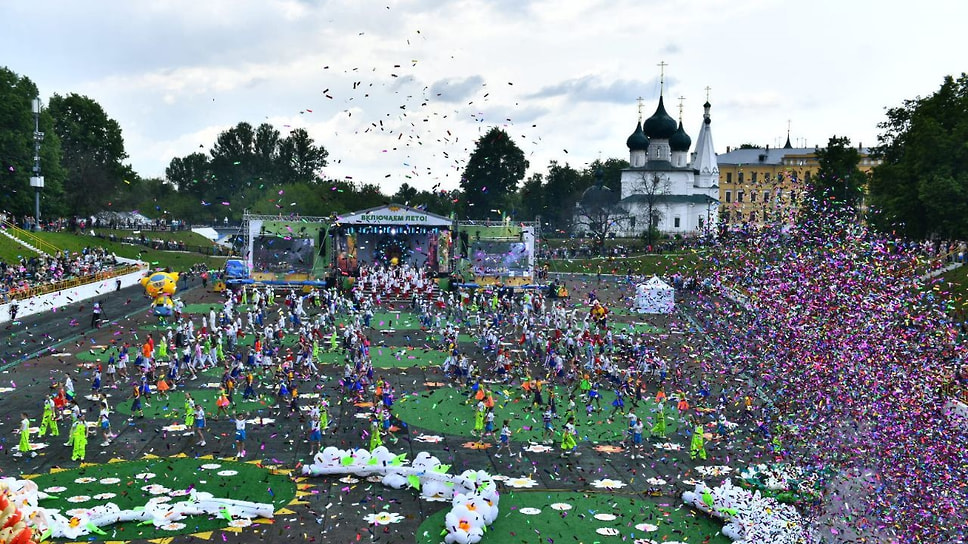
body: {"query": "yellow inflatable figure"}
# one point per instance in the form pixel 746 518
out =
pixel 160 286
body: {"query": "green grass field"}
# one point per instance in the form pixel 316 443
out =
pixel 131 484
pixel 11 251
pixel 553 516
pixel 660 265
pixel 188 237
pixel 156 258
pixel 446 411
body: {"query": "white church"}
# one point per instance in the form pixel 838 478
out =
pixel 682 189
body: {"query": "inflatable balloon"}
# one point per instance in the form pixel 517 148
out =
pixel 161 286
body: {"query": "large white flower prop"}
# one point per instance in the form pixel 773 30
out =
pixel 51 522
pixel 473 494
pixel 750 517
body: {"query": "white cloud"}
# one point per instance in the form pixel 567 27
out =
pixel 363 79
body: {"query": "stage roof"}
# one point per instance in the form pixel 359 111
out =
pixel 394 214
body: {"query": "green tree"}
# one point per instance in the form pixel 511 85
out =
pixel 17 150
pixel 300 159
pixel 921 183
pixel 92 152
pixel 563 186
pixel 492 174
pixel 234 164
pixel 405 195
pixel 191 175
pixel 531 196
pixel 839 181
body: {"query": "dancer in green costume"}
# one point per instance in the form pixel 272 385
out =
pixel 189 411
pixel 659 429
pixel 24 445
pixel 79 439
pixel 568 442
pixel 47 421
pixel 698 446
pixel 375 439
pixel 162 349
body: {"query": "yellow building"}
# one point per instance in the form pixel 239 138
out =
pixel 758 185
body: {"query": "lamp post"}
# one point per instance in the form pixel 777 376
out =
pixel 37 180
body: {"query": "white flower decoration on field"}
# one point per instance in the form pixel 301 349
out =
pixel 261 421
pixel 656 481
pixel 383 518
pixel 644 541
pixel 144 475
pixel 227 472
pixel 155 489
pixel 78 498
pixel 607 483
pixel 240 523
pixel 76 512
pixel 211 466
pixel 561 506
pixel 605 517
pixel 179 493
pixel 110 481
pixel 646 527
pixel 689 482
pixel 669 446
pixel 363 415
pixel 716 470
pixel 530 511
pixel 173 526
pixel 85 480
pixel 538 448
pixel 105 496
pixel 159 499
pixel 374 479
pixel 55 489
pixel 522 482
pixel 349 480
pixel 429 438
pixel 175 428
pixel 607 531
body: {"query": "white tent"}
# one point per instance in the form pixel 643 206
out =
pixel 654 297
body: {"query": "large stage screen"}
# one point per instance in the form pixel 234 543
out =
pixel 500 258
pixel 278 254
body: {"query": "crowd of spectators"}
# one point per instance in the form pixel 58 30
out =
pixel 27 274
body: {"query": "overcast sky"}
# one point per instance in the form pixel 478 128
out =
pixel 398 91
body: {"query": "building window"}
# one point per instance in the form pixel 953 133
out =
pixel 779 194
pixel 739 196
pixel 740 177
pixel 753 196
pixel 729 177
pixel 729 196
pixel 807 176
pixel 632 222
pixel 766 196
pixel 752 217
pixel 676 222
pixel 753 177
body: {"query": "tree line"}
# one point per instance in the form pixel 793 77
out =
pixel 919 190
